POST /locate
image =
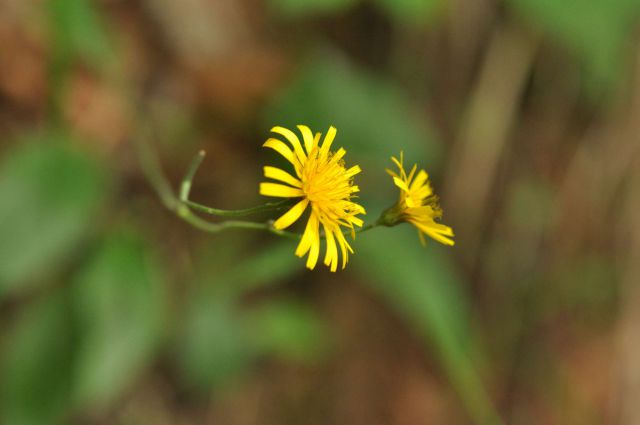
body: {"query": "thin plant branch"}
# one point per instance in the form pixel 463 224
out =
pixel 181 205
pixel 185 190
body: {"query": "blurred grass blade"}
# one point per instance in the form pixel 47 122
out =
pixel 598 31
pixel 119 299
pixel 50 194
pixel 421 285
pixel 36 365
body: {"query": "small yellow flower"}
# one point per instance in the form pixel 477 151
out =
pixel 323 182
pixel 418 204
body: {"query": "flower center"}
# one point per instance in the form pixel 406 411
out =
pixel 315 189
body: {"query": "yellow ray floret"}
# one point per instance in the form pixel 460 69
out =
pixel 418 204
pixel 323 183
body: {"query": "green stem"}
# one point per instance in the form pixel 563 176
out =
pixel 367 227
pixel 187 215
pixel 185 190
pixel 270 206
pixel 182 206
pixel 185 187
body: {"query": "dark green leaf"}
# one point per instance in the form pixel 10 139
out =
pixel 268 266
pixel 119 299
pixel 50 193
pixel 78 32
pixel 214 347
pixel 36 365
pixel 217 343
pixel 288 329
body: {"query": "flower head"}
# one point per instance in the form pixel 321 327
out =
pixel 322 182
pixel 417 205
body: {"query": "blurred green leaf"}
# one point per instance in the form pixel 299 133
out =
pixel 289 329
pixel 422 286
pixel 77 32
pixel 50 193
pixel 297 8
pixel 218 342
pixel 214 347
pixel 597 30
pixel 36 365
pixel 120 301
pixel 411 11
pixel 274 264
pixel 374 119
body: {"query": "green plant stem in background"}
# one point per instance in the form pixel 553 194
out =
pixel 151 169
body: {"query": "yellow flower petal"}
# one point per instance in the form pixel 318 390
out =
pixel 345 248
pixel 307 137
pixel 421 178
pixel 355 220
pixel 279 190
pixel 307 236
pixel 290 217
pixel 353 171
pixel 401 184
pixel 284 150
pixel 314 251
pixel 316 140
pixel 293 139
pixel 281 175
pixel 331 257
pixel 337 156
pixel 328 140
pixel 440 238
pixel 411 174
pixel 398 163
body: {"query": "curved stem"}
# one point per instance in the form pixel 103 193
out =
pixel 181 206
pixel 185 190
pixel 367 227
pixel 185 187
pixel 187 215
pixel 270 206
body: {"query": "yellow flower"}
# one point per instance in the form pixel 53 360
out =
pixel 323 182
pixel 418 204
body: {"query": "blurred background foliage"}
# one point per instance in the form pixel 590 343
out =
pixel 526 113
